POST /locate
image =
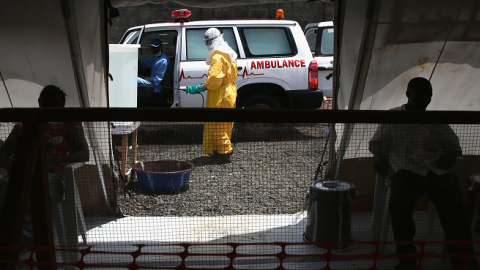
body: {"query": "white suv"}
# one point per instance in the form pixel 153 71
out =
pixel 275 66
pixel 320 39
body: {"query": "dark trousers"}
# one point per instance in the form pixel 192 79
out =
pixel 407 188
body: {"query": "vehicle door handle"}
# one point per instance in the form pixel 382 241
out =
pixel 239 68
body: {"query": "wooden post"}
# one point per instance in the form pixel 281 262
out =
pixel 40 203
pixel 133 155
pixel 124 156
pixel 29 157
pixel 16 198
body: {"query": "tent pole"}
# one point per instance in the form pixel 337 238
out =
pixel 68 11
pixel 363 63
pixel 75 51
pixel 338 12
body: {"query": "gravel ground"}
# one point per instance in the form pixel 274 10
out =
pixel 268 174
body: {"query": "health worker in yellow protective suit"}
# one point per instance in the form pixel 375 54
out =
pixel 222 93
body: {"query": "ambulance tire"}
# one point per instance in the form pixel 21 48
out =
pixel 261 101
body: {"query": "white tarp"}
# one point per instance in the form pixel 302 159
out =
pixel 123 67
pixel 34 52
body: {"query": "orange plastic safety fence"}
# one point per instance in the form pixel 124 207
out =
pixel 328 254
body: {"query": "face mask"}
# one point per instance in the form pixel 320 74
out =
pixel 158 54
pixel 208 41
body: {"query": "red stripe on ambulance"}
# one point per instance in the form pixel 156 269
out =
pixel 266 64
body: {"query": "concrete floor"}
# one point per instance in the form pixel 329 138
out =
pixel 211 235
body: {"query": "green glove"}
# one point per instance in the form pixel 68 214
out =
pixel 195 89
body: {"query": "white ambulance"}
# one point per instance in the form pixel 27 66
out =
pixel 275 66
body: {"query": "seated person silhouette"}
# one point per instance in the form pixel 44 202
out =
pixel 421 158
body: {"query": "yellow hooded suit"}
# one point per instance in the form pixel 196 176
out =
pixel 222 93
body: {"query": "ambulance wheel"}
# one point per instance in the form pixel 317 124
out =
pixel 260 101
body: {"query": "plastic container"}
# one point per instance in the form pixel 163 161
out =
pixel 165 175
pixel 328 212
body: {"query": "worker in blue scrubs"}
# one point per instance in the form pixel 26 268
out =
pixel 157 63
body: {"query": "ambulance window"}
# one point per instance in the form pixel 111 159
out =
pixel 168 38
pixel 229 37
pixel 268 41
pixel 311 36
pixel 130 37
pixel 326 46
pixel 197 50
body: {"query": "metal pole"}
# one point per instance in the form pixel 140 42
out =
pixel 68 10
pixel 96 155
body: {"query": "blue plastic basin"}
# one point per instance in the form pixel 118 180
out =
pixel 165 175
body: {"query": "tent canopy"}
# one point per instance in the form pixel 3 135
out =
pixel 65 43
pixel 41 47
pixel 402 39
